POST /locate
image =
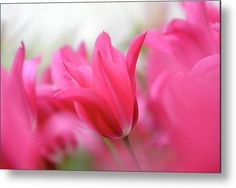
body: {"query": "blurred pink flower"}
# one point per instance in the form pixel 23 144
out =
pixel 29 81
pixel 184 87
pixel 184 42
pixel 105 95
pixel 58 136
pixel 30 118
pixel 18 142
pixel 56 119
pixel 76 61
pixel 60 131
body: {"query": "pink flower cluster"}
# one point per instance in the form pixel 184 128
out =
pixel 167 121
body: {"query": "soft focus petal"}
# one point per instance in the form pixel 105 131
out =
pixel 133 52
pixel 82 74
pixel 29 78
pixel 93 108
pixel 188 105
pixel 58 135
pixel 60 75
pixel 16 124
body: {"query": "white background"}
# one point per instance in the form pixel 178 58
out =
pixel 43 179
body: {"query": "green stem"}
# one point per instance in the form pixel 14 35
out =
pixel 132 153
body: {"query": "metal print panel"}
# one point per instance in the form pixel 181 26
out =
pixel 132 86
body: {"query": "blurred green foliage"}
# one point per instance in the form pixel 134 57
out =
pixel 80 160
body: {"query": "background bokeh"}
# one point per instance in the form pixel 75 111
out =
pixel 45 27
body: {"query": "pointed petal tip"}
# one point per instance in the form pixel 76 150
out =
pixel 139 38
pixel 104 32
pixel 134 50
pixel 22 45
pixel 145 33
pixel 21 49
pixel 104 35
pixel 82 46
pixel 18 60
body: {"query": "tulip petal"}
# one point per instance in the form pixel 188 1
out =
pixel 17 125
pixel 207 67
pixel 81 51
pixel 75 57
pixel 196 13
pixel 133 52
pixel 192 99
pixel 58 135
pixel 109 79
pixel 93 109
pixel 82 74
pixel 59 74
pixel 155 40
pixel 29 78
pixel 103 44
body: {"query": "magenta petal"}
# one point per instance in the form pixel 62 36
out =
pixel 189 44
pixel 202 12
pixel 213 13
pixel 82 74
pixel 203 15
pixel 196 13
pixel 46 77
pixel 81 51
pixel 59 74
pixel 16 123
pixel 133 52
pixel 93 109
pixel 159 106
pixel 58 135
pixel 17 65
pixel 159 61
pixel 29 77
pixel 109 79
pixel 156 40
pixel 103 44
pixel 187 104
pixel 209 66
pixel 75 57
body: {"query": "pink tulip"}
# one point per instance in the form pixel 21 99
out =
pixel 184 88
pixel 56 119
pixel 35 126
pixel 105 97
pixel 18 143
pixel 184 42
pixel 74 58
pixel 188 108
pixel 58 136
pixel 56 76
